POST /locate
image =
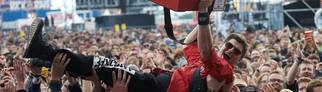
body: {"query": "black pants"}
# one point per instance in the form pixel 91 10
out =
pixel 140 82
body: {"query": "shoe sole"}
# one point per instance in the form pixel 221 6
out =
pixel 36 28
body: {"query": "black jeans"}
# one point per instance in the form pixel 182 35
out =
pixel 140 82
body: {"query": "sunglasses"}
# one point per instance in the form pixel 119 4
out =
pixel 235 50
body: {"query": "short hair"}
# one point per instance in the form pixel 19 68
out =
pixel 306 61
pixel 241 39
pixel 276 72
pixel 250 88
pixel 286 90
pixel 313 84
pixel 238 71
pixel 250 29
pixel 268 65
pixel 178 53
pixel 314 56
pixel 304 79
pixel 168 66
pixel 243 64
pixel 261 77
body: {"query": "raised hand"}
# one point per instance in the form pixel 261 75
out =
pixel 58 67
pixel 298 53
pixel 148 65
pixel 268 88
pixel 235 89
pixel 120 82
pixel 96 81
pixel 9 87
pixel 19 71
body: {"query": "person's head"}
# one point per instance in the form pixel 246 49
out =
pixel 306 69
pixel 262 80
pixel 318 66
pixel 302 83
pixel 133 67
pixel 133 60
pixel 148 57
pixel 240 83
pixel 265 68
pixel 250 33
pixel 243 64
pixel 255 55
pixel 71 85
pixel 276 78
pixel 3 59
pixel 178 54
pixel 234 48
pixel 272 52
pixel 284 43
pixel 286 90
pixel 250 88
pixel 314 86
pixel 274 64
pixel 314 58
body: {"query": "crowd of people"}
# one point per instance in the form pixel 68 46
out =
pixel 275 61
pixel 272 57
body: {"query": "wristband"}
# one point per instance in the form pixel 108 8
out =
pixel 203 18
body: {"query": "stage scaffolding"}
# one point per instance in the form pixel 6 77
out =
pixel 263 14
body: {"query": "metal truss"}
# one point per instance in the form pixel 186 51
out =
pixel 308 8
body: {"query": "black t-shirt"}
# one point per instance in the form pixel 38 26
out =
pixel 294 87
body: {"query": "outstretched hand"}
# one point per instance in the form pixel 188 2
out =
pixel 235 89
pixel 120 82
pixel 298 53
pixel 9 87
pixel 96 81
pixel 19 70
pixel 269 88
pixel 58 67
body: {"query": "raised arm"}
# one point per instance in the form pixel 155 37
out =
pixel 292 73
pixel 204 34
pixel 294 69
pixel 192 36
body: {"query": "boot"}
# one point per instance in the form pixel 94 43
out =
pixel 36 46
pixel 79 65
pixel 40 48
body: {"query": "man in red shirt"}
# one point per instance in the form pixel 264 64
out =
pixel 216 68
pixel 206 71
